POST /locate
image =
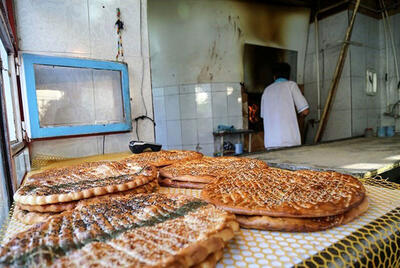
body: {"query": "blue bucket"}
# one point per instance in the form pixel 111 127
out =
pixel 381 131
pixel 238 148
pixel 390 131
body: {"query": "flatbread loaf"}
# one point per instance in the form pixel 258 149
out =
pixel 301 224
pixel 164 158
pixel 132 230
pixel 282 193
pixel 79 183
pixel 181 184
pixel 211 261
pixel 149 187
pixel 27 217
pixel 206 169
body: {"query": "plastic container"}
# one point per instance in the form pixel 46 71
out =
pixel 390 131
pixel 238 148
pixel 381 132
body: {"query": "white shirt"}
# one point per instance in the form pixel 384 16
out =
pixel 279 103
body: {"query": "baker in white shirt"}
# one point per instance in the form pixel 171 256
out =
pixel 279 104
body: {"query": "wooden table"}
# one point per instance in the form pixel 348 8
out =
pixel 240 132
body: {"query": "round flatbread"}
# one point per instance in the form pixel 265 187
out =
pixel 159 230
pixel 150 187
pixel 301 224
pixel 282 193
pixel 107 177
pixel 27 217
pixel 164 158
pixel 206 169
pixel 211 261
pixel 181 184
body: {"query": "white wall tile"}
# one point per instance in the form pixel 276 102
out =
pixel 189 131
pixel 174 133
pixel 373 118
pixel 311 95
pixel 342 100
pixel 236 121
pixel 191 147
pixel 310 71
pixel 338 126
pixel 204 130
pixel 373 33
pixel 235 103
pixel 161 132
pixel 203 88
pixel 158 91
pixel 68 147
pixel 359 121
pixel 172 109
pixel 218 87
pixel 358 95
pixel 159 109
pixel 174 147
pixel 186 89
pixel 172 90
pixel 333 28
pixel 118 143
pixel 207 149
pixel 358 60
pixel 372 59
pixel 331 57
pixel 360 28
pixel 188 106
pixel 219 104
pixel 311 38
pixel 220 121
pixel 203 105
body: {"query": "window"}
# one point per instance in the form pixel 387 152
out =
pixel 70 96
pixel 10 95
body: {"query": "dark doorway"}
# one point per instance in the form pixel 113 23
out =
pixel 258 62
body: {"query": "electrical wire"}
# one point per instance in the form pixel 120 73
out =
pixel 145 116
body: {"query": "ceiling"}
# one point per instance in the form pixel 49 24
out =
pixel 372 8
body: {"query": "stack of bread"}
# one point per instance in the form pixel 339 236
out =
pixel 133 230
pixel 103 214
pixel 56 190
pixel 199 172
pixel 294 201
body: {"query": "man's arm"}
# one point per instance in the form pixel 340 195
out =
pixel 299 101
pixel 305 112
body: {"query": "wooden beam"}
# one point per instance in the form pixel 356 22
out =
pixel 336 77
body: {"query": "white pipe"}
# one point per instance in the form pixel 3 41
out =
pixel 387 63
pixel 393 45
pixel 393 50
pixel 317 67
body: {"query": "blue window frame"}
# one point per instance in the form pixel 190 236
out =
pixel 38 130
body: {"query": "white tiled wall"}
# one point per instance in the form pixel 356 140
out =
pixel 186 115
pixel 353 110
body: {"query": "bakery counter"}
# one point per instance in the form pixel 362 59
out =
pixel 360 157
pixel 371 239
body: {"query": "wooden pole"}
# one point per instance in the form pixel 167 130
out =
pixel 336 77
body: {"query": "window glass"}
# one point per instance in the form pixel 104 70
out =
pixel 8 95
pixel 72 96
pixel 4 201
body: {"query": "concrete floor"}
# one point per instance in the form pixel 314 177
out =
pixel 361 157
